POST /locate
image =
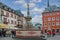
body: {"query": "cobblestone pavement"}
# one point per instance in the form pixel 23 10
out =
pixel 9 38
pixel 6 38
pixel 56 37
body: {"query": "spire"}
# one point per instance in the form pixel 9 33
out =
pixel 47 3
pixel 28 9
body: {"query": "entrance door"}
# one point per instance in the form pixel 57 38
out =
pixel 53 30
pixel 45 31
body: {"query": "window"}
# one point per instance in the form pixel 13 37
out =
pixel 15 16
pixel 53 30
pixel 15 22
pixel 53 18
pixel 8 21
pixel 57 30
pixel 57 18
pixel 45 31
pixel 5 8
pixel 45 24
pixel 11 15
pixel 11 21
pixel 53 23
pixel 19 22
pixel 7 14
pixel 45 19
pixel 49 19
pixel 2 12
pixel 45 14
pixel 57 23
pixel 9 9
pixel 48 23
pixel 50 14
pixel 5 19
pixel 55 13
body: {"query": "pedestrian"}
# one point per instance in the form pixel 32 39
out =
pixel 3 33
pixel 8 33
pixel 42 32
pixel 50 33
pixel 53 33
pixel 13 33
pixel 47 33
pixel 0 33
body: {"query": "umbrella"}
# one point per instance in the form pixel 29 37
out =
pixel 4 26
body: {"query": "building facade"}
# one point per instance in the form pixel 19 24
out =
pixel 51 19
pixel 10 16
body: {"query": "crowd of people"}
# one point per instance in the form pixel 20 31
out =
pixel 7 33
pixel 49 33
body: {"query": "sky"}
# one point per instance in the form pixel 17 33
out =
pixel 36 7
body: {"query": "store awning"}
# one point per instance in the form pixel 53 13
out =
pixel 4 26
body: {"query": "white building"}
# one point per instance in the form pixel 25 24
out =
pixel 10 16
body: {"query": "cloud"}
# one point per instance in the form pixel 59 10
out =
pixel 32 4
pixel 36 1
pixel 24 3
pixel 20 1
pixel 37 19
pixel 24 12
pixel 37 10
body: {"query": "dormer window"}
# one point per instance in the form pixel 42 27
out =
pixel 7 14
pixel 2 12
pixel 9 9
pixel 13 11
pixel 5 8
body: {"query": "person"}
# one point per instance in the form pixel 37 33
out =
pixel 53 33
pixel 8 33
pixel 41 32
pixel 0 33
pixel 3 33
pixel 50 33
pixel 47 33
pixel 13 33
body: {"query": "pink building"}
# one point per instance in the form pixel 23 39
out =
pixel 10 16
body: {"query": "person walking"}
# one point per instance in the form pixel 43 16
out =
pixel 53 33
pixel 13 33
pixel 3 33
pixel 8 33
pixel 47 33
pixel 0 33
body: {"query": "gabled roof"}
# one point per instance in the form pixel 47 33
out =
pixel 18 12
pixel 52 8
